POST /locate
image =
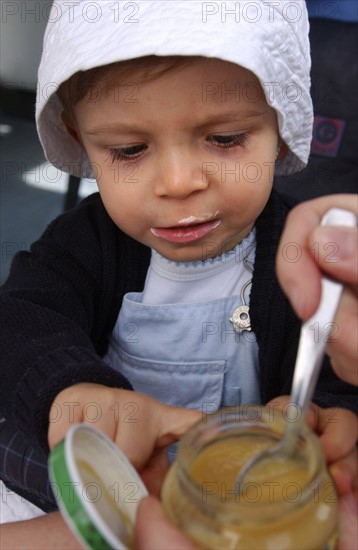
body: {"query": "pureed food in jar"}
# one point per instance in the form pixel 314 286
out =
pixel 282 505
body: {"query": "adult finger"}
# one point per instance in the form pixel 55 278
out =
pixel 348 522
pixel 338 430
pixel 342 344
pixel 153 531
pixel 297 268
pixel 336 251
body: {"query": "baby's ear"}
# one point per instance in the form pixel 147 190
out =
pixel 71 127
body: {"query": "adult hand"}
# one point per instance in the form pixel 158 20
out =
pixel 305 250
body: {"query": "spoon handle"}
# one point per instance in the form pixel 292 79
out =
pixel 315 333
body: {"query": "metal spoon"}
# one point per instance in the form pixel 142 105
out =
pixel 313 338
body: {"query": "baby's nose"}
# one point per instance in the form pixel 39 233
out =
pixel 178 176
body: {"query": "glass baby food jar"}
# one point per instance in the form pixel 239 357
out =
pixel 289 505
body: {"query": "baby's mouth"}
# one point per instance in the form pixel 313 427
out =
pixel 187 232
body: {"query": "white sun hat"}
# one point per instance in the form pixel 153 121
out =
pixel 270 38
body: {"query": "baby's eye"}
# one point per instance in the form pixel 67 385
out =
pixel 127 153
pixel 226 142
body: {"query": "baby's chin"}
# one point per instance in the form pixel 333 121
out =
pixel 200 252
pixel 182 256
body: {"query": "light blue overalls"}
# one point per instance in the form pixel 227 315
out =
pixel 187 354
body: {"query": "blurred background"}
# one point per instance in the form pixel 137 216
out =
pixel 32 192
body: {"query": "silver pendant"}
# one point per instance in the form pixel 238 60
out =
pixel 241 319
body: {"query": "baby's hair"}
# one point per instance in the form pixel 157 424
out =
pixel 106 78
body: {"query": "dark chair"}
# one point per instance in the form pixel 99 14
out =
pixel 333 163
pixel 71 197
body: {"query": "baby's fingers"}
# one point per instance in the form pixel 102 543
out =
pixel 155 427
pixel 175 422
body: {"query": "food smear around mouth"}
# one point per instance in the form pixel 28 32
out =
pixel 185 234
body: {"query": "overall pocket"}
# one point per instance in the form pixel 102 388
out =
pixel 197 384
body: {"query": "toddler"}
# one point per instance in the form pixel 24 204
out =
pixel 164 282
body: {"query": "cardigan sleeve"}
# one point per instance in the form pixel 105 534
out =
pixel 56 309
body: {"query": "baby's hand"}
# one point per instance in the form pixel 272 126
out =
pixel 338 432
pixel 139 425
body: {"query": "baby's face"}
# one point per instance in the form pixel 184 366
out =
pixel 184 161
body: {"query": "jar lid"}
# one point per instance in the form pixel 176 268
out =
pixel 96 487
